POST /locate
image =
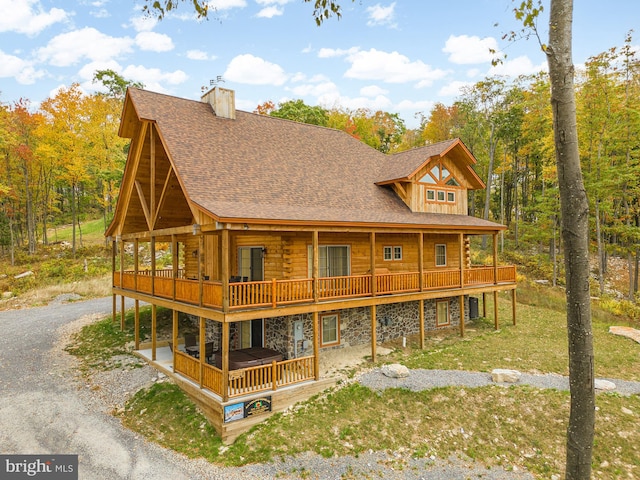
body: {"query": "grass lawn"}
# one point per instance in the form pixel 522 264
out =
pixel 519 426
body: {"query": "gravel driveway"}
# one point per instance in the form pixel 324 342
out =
pixel 45 409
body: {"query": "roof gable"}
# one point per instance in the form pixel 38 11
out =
pixel 265 169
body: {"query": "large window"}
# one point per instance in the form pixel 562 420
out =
pixel 333 260
pixel 442 314
pixel 441 255
pixel 330 329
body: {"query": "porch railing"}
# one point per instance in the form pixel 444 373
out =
pixel 247 380
pixel 284 292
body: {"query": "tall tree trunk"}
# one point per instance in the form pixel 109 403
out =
pixel 575 234
pixel 487 196
pixel 600 249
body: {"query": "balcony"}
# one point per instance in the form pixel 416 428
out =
pixel 277 293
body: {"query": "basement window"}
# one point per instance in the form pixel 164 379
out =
pixel 442 314
pixel 329 329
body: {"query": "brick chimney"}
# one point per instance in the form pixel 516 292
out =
pixel 223 102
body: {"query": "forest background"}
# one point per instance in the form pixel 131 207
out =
pixel 62 163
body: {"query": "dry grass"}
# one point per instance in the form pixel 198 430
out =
pixel 90 288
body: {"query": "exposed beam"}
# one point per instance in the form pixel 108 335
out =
pixel 143 203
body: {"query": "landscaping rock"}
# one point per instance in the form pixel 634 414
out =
pixel 395 371
pixel 24 274
pixel 605 385
pixel 503 375
pixel 7 295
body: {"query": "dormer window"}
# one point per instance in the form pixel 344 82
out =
pixel 440 175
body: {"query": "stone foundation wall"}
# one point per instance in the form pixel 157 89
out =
pixel 393 321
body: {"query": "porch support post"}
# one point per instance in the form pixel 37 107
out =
pixel 153 266
pixel 484 304
pixel 421 314
pixel 154 311
pixel 136 324
pixel 316 347
pixel 373 333
pixel 421 269
pixel 200 269
pixel 114 251
pixel 122 313
pixel 114 307
pixel 495 309
pixel 203 348
pixel 513 305
pixel 495 258
pixel 461 253
pixel 314 268
pixel 136 246
pixel 372 259
pixel 121 284
pixel 225 361
pixel 225 279
pixel 461 315
pixel 174 338
pixel 174 264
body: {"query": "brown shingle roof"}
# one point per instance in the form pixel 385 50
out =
pixel 262 168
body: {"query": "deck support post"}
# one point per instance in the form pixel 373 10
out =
pixel 462 262
pixel 153 265
pixel 484 304
pixel 122 313
pixel 316 346
pixel 373 333
pixel 461 315
pixel 513 305
pixel 114 252
pixel 225 274
pixel 114 307
pixel 174 264
pixel 203 348
pixel 200 272
pixel 136 246
pixel 154 311
pixel 174 338
pixel 495 258
pixel 495 309
pixel 225 361
pixel 136 324
pixel 421 315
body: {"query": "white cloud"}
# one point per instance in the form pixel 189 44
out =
pixel 226 4
pixel 101 13
pixel 390 68
pixel 379 15
pixel 28 16
pixel 154 42
pixel 198 55
pixel 464 50
pixel 270 12
pixel 144 23
pixel 23 71
pixel 254 71
pixel 273 2
pixel 453 89
pixel 518 66
pixel 315 90
pixel 70 48
pixel 336 52
pixel 373 91
pixel 379 102
pixel 154 78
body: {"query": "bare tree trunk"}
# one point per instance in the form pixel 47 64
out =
pixel 600 249
pixel 575 233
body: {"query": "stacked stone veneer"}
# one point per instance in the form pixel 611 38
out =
pixel 393 321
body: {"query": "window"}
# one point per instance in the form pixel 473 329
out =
pixel 392 253
pixel 451 197
pixel 431 194
pixel 441 255
pixel 442 314
pixel 330 329
pixel 333 260
pixel 440 196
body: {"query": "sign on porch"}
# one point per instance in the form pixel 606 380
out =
pixel 241 410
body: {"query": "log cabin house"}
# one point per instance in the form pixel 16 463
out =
pixel 287 241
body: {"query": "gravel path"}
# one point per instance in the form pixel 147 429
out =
pixel 45 408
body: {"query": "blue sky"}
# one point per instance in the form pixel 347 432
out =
pixel 399 56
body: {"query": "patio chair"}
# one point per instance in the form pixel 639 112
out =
pixel 190 345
